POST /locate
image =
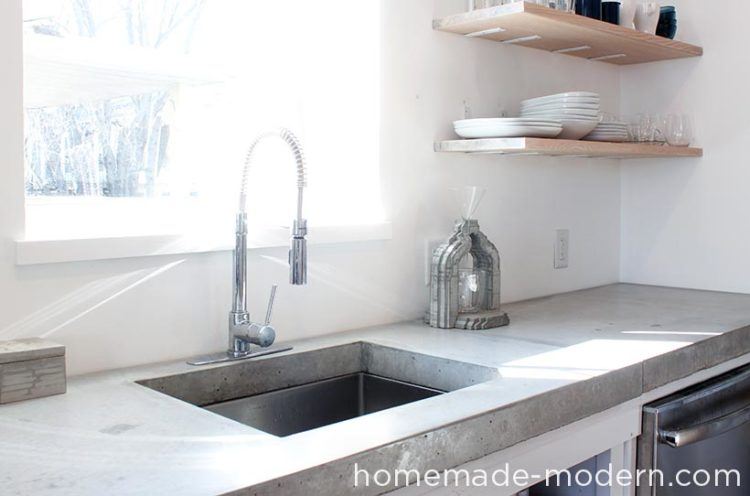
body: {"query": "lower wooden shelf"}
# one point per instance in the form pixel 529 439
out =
pixel 564 148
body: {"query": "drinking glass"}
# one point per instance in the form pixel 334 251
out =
pixel 652 128
pixel 679 130
pixel 634 132
pixel 646 128
pixel 563 5
pixel 634 127
pixel 484 4
pixel 660 129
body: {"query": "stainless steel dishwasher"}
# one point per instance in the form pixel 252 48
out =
pixel 695 435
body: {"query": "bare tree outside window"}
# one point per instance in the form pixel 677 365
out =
pixel 117 147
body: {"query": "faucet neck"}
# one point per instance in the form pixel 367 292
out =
pixel 239 260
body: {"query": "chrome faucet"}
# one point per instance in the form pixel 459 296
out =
pixel 245 335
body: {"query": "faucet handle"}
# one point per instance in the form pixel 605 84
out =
pixel 270 304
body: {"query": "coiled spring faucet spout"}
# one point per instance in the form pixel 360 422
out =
pixel 243 332
pixel 298 248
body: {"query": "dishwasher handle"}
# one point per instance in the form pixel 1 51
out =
pixel 700 432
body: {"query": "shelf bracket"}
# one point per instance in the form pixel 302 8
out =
pixel 486 32
pixel 522 39
pixel 573 49
pixel 609 57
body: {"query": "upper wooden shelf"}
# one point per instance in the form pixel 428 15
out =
pixel 564 148
pixel 540 27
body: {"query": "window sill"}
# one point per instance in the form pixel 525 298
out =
pixel 35 252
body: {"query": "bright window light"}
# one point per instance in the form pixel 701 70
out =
pixel 138 113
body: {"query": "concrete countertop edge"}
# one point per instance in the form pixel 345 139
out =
pixel 475 433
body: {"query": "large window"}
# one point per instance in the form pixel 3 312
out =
pixel 138 112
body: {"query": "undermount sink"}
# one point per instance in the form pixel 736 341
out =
pixel 286 394
pixel 302 408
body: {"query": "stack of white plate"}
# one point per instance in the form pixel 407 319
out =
pixel 616 132
pixel 577 111
pixel 508 128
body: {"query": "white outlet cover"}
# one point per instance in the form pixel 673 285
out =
pixel 562 249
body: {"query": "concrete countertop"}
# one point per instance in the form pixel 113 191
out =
pixel 562 359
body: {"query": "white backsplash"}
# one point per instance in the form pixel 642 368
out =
pixel 119 313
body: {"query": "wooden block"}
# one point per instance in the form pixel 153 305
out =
pixel 31 368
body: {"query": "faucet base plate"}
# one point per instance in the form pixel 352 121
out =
pixel 224 357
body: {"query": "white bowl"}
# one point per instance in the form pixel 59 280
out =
pixel 561 103
pixel 562 106
pixel 582 118
pixel 576 112
pixel 576 129
pixel 574 97
pixel 569 94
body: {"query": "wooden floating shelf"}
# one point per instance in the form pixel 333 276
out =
pixel 564 148
pixel 543 28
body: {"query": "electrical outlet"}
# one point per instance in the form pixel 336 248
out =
pixel 562 248
pixel 429 248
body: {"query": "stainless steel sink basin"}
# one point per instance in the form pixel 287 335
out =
pixel 286 394
pixel 301 408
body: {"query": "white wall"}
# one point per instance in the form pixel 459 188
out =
pixel 686 222
pixel 124 312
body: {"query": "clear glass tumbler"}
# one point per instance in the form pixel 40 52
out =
pixel 563 5
pixel 646 128
pixel 484 4
pixel 679 130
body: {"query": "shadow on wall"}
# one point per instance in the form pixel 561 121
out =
pixel 367 294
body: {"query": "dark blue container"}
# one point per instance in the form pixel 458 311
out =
pixel 589 8
pixel 667 26
pixel 611 12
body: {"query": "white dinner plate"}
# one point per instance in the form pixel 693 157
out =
pixel 561 105
pixel 536 121
pixel 537 113
pixel 499 126
pixel 584 118
pixel 552 99
pixel 610 139
pixel 563 96
pixel 598 133
pixel 495 131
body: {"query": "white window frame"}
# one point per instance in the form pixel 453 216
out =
pixel 33 252
pixel 58 249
